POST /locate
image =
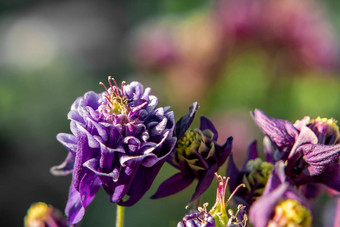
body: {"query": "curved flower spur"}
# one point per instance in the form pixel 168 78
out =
pixel 119 141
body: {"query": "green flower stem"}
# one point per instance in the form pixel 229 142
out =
pixel 120 216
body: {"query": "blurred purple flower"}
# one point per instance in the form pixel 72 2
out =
pixel 197 155
pixel 119 141
pixel 301 145
pixel 281 204
pixel 155 46
pixel 42 215
pixel 298 29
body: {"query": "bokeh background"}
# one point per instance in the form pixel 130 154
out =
pixel 232 56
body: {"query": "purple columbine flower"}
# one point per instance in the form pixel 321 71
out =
pixel 253 174
pixel 197 155
pixel 281 204
pixel 310 148
pixel 119 141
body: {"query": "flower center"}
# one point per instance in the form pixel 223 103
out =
pixel 190 141
pixel 291 213
pixel 257 175
pixel 116 102
pixel 326 130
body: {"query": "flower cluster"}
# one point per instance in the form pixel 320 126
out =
pixel 302 154
pixel 120 140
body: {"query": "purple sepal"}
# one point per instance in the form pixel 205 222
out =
pixel 251 153
pixel 207 124
pixel 183 124
pixel 281 132
pixel 79 199
pixel 204 182
pixel 262 209
pixel 172 185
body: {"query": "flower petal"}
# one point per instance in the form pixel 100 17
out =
pixel 184 122
pixel 319 157
pixel 64 168
pixel 282 133
pixel 141 183
pixel 223 151
pixel 79 200
pixel 172 185
pixel 251 153
pixel 263 208
pixel 69 141
pixel 204 182
pixel 207 124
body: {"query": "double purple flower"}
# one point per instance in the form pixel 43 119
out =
pixel 119 141
pixel 197 155
pixel 309 148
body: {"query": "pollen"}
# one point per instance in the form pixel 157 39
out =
pixel 291 213
pixel 116 101
pixel 38 211
pixel 329 121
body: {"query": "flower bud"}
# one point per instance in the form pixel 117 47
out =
pixel 42 215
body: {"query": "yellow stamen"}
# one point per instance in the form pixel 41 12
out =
pixel 330 121
pixel 291 213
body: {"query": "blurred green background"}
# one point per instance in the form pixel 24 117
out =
pixel 230 59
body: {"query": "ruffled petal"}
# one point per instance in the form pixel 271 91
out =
pixel 64 168
pixel 69 141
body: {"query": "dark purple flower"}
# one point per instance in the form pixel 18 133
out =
pixel 281 204
pixel 308 147
pixel 253 174
pixel 197 155
pixel 119 141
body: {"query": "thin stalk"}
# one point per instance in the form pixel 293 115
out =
pixel 120 216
